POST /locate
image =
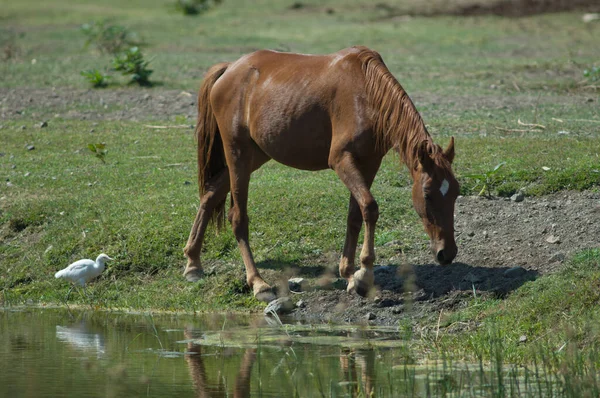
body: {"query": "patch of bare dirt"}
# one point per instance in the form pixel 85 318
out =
pixel 506 8
pixel 502 245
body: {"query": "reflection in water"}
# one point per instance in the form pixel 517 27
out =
pixel 365 359
pixel 81 338
pixel 199 377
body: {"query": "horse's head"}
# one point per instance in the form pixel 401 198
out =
pixel 434 192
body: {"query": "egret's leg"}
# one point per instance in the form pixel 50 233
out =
pixel 69 293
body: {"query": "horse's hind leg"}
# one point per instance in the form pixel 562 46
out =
pixel 215 192
pixel 243 157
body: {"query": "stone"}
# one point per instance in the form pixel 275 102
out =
pixel 30 147
pixel 552 239
pixel 340 284
pixel 515 272
pixel 43 124
pixel 280 306
pixel 522 339
pixel 296 284
pixel 370 316
pixel 300 304
pixel 518 197
pixel 558 257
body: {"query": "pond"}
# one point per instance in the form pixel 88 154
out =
pixel 55 352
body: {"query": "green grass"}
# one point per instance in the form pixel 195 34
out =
pixel 473 78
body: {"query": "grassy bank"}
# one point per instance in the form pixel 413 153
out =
pixel 509 90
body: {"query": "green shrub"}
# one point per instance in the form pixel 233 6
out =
pixel 109 38
pixel 96 78
pixel 132 62
pixel 592 74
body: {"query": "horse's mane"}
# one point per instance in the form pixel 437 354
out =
pixel 397 122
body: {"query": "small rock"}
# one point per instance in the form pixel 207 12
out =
pixel 340 284
pixel 563 132
pixel 300 304
pixel 473 278
pixel 588 100
pixel 295 284
pixel 514 272
pixel 518 197
pixel 9 184
pixel 23 127
pixel 43 124
pixel 553 239
pixel 522 339
pixel 280 306
pixel 370 316
pixel 92 130
pixel 27 174
pixel 558 257
pixel 590 17
pixel 30 147
pixel 471 234
pixel 187 183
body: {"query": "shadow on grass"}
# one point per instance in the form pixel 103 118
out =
pixel 292 269
pixel 434 280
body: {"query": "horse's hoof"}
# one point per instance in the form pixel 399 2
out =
pixel 362 282
pixel 195 275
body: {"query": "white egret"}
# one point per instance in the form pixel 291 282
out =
pixel 83 271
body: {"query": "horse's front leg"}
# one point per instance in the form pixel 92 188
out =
pixel 353 225
pixel 359 180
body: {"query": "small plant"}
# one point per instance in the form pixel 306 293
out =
pixel 99 150
pixel 485 179
pixel 195 7
pixel 132 62
pixel 96 78
pixel 108 37
pixel 592 74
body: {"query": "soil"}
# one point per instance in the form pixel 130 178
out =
pixel 502 243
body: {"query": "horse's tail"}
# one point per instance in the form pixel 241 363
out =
pixel 211 157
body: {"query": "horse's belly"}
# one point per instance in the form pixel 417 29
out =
pixel 306 149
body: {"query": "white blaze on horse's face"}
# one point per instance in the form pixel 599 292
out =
pixel 444 187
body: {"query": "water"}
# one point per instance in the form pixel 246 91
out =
pixel 59 353
pixel 55 353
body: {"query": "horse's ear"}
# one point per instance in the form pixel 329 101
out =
pixel 449 152
pixel 424 153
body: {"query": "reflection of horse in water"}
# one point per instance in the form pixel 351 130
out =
pixel 357 372
pixel 199 376
pixel 81 338
pixel 365 359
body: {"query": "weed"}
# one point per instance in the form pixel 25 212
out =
pixel 132 62
pixel 108 37
pixel 96 78
pixel 195 7
pixel 592 74
pixel 99 150
pixel 485 179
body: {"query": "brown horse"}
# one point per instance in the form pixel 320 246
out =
pixel 342 111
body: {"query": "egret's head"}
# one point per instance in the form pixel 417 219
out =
pixel 102 258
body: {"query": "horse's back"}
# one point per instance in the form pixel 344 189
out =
pixel 289 103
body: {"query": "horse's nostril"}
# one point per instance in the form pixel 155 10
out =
pixel 440 256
